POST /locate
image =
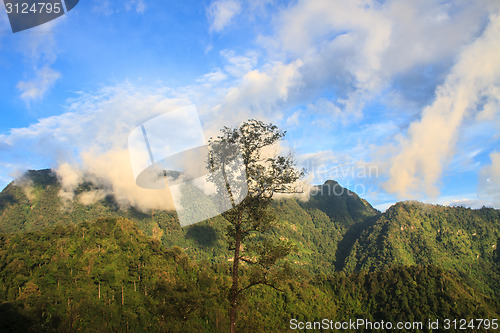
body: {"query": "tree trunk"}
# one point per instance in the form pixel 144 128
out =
pixel 234 288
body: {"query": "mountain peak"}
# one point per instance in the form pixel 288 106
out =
pixel 42 177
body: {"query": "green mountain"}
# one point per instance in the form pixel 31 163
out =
pixel 100 276
pixel 316 226
pixel 413 262
pixel 453 238
pixel 107 276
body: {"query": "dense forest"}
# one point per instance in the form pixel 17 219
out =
pixel 66 266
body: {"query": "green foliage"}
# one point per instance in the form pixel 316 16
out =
pixel 454 238
pixel 341 205
pixel 50 279
pixel 413 262
pixel 102 276
pixel 29 206
pixel 408 293
pixel 251 219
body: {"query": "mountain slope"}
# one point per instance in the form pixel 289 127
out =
pixel 453 238
pixel 341 205
pixel 66 266
pixel 316 226
pixel 101 276
pixel 334 230
pixel 107 276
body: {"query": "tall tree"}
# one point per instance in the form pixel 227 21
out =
pixel 256 255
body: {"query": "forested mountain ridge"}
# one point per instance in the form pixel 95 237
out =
pixel 107 276
pixel 454 238
pixel 32 203
pixel 413 262
pixel 316 226
pixel 104 275
pixel 334 229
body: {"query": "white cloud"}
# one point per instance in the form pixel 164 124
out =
pixel 89 142
pixel 213 77
pixel 324 106
pixel 261 90
pixel 358 49
pixel 468 200
pixel 293 120
pixel 113 172
pixel 221 13
pixel 239 65
pixel 69 177
pixel 138 5
pixel 36 88
pixel 341 44
pixel 101 120
pixel 384 206
pixel 39 48
pixel 489 183
pixel 430 142
pixel 320 161
pixel 342 167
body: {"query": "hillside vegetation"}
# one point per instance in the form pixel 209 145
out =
pixel 66 266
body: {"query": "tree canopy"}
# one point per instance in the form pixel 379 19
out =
pixel 266 174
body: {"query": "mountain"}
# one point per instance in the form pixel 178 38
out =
pixel 340 204
pixel 99 276
pixel 107 276
pixel 454 238
pixel 334 230
pixel 316 226
pixel 33 203
pixel 414 262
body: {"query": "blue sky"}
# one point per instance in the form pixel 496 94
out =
pixel 396 100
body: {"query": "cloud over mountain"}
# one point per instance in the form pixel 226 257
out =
pixel 395 84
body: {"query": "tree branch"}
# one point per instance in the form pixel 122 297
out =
pixel 253 284
pixel 247 260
